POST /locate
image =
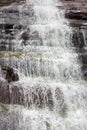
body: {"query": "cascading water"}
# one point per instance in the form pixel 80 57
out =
pixel 51 88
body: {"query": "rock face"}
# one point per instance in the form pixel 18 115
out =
pixel 40 97
pixel 12 21
pixel 10 74
pixel 8 2
pixel 76 13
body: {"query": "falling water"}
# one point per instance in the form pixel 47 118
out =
pixel 51 92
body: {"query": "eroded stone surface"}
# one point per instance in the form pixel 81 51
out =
pixel 38 96
pixel 12 21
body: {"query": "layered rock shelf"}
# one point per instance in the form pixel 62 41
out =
pixel 8 2
pixel 76 12
pixel 11 23
pixel 14 93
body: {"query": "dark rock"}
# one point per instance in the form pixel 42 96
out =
pixel 4 92
pixel 83 58
pixel 15 77
pixel 25 35
pixel 11 94
pixel 34 96
pixel 84 71
pixel 76 15
pixel 78 38
pixel 7 2
pixel 10 74
pixel 2 47
pixel 16 95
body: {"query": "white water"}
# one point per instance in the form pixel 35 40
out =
pixel 50 70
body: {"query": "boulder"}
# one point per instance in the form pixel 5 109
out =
pixel 40 97
pixel 10 74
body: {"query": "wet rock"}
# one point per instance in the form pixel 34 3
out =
pixel 18 27
pixel 9 120
pixel 16 17
pixel 4 92
pixel 78 38
pixel 83 58
pixel 11 94
pixel 25 35
pixel 76 13
pixel 10 74
pixel 16 95
pixel 7 2
pixel 2 47
pixel 59 96
pixel 49 99
pixel 40 97
pixel 84 71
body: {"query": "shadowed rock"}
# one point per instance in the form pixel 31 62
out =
pixel 7 2
pixel 78 38
pixel 10 74
pixel 4 92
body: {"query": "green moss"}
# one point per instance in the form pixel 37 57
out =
pixel 4 108
pixel 17 54
pixel 10 54
pixel 1 54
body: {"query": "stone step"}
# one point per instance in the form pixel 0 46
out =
pixel 16 117
pixel 8 2
pixel 83 58
pixel 40 95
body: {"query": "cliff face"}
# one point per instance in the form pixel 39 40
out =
pixel 76 12
pixel 13 18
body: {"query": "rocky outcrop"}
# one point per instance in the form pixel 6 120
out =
pixel 41 97
pixel 13 26
pixel 8 2
pixel 10 74
pixel 16 17
pixel 76 13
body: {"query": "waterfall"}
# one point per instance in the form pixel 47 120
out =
pixel 50 94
